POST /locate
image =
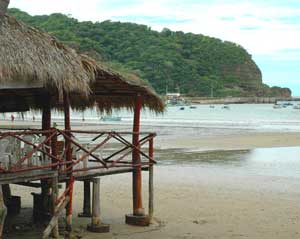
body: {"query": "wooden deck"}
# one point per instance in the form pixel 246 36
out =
pixel 7 178
pixel 30 176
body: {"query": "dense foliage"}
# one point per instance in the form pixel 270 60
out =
pixel 169 61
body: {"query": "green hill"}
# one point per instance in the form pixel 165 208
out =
pixel 193 64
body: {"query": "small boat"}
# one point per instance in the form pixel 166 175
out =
pixel 226 107
pixel 277 106
pixel 111 118
pixel 296 107
pixel 287 104
pixel 212 106
pixel 181 108
pixel 193 107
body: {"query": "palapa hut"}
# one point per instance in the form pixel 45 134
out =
pixel 31 59
pixel 38 72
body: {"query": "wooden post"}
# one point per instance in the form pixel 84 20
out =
pixel 136 158
pixel 6 192
pixel 52 222
pixel 96 224
pixel 138 217
pixel 55 232
pixel 55 190
pixel 68 149
pixel 151 186
pixel 86 199
pixel 3 212
pixel 46 125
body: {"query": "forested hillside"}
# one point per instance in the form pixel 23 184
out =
pixel 170 61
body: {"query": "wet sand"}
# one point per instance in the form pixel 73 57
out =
pixel 193 205
pixel 200 202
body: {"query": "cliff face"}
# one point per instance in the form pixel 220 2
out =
pixel 248 81
pixel 194 64
pixel 246 74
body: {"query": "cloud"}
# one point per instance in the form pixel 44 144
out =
pixel 247 28
pixel 227 18
pixel 151 20
pixel 252 24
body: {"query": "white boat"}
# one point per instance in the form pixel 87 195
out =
pixel 297 107
pixel 226 107
pixel 277 106
pixel 111 118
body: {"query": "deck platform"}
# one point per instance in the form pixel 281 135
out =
pixel 8 178
pixel 30 176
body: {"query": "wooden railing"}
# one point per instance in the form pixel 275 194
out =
pixel 29 150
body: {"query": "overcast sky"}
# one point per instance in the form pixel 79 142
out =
pixel 268 29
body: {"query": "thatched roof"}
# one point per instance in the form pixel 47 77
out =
pixel 31 57
pixel 33 63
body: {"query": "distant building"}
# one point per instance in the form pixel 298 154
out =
pixel 173 95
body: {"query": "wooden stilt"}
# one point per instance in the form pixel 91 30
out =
pixel 55 232
pixel 136 158
pixel 86 199
pixel 151 186
pixel 68 149
pixel 6 192
pixel 138 217
pixel 46 125
pixel 53 222
pixel 55 189
pixel 3 212
pixel 96 224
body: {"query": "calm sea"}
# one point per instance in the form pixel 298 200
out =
pixel 261 117
pixel 280 165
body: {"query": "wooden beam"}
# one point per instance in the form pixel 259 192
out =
pixel 86 199
pixel 68 149
pixel 151 184
pixel 46 125
pixel 3 211
pixel 54 220
pixel 136 158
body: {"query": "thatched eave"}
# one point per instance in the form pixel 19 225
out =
pixel 31 59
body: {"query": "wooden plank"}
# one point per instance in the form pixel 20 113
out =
pixel 7 178
pixel 103 172
pixel 54 220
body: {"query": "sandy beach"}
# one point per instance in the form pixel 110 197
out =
pixel 199 201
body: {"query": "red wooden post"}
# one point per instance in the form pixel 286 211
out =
pixel 68 159
pixel 151 186
pixel 138 217
pixel 136 158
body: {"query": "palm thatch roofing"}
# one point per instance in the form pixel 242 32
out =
pixel 33 63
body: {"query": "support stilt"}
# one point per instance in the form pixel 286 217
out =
pixel 55 232
pixel 138 217
pixel 96 224
pixel 68 149
pixel 151 186
pixel 86 199
pixel 55 189
pixel 45 187
pixel 3 212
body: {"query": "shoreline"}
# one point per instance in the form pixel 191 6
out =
pixel 191 138
pixel 239 100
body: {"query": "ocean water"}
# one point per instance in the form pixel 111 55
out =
pixel 272 167
pixel 260 117
pixel 266 170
